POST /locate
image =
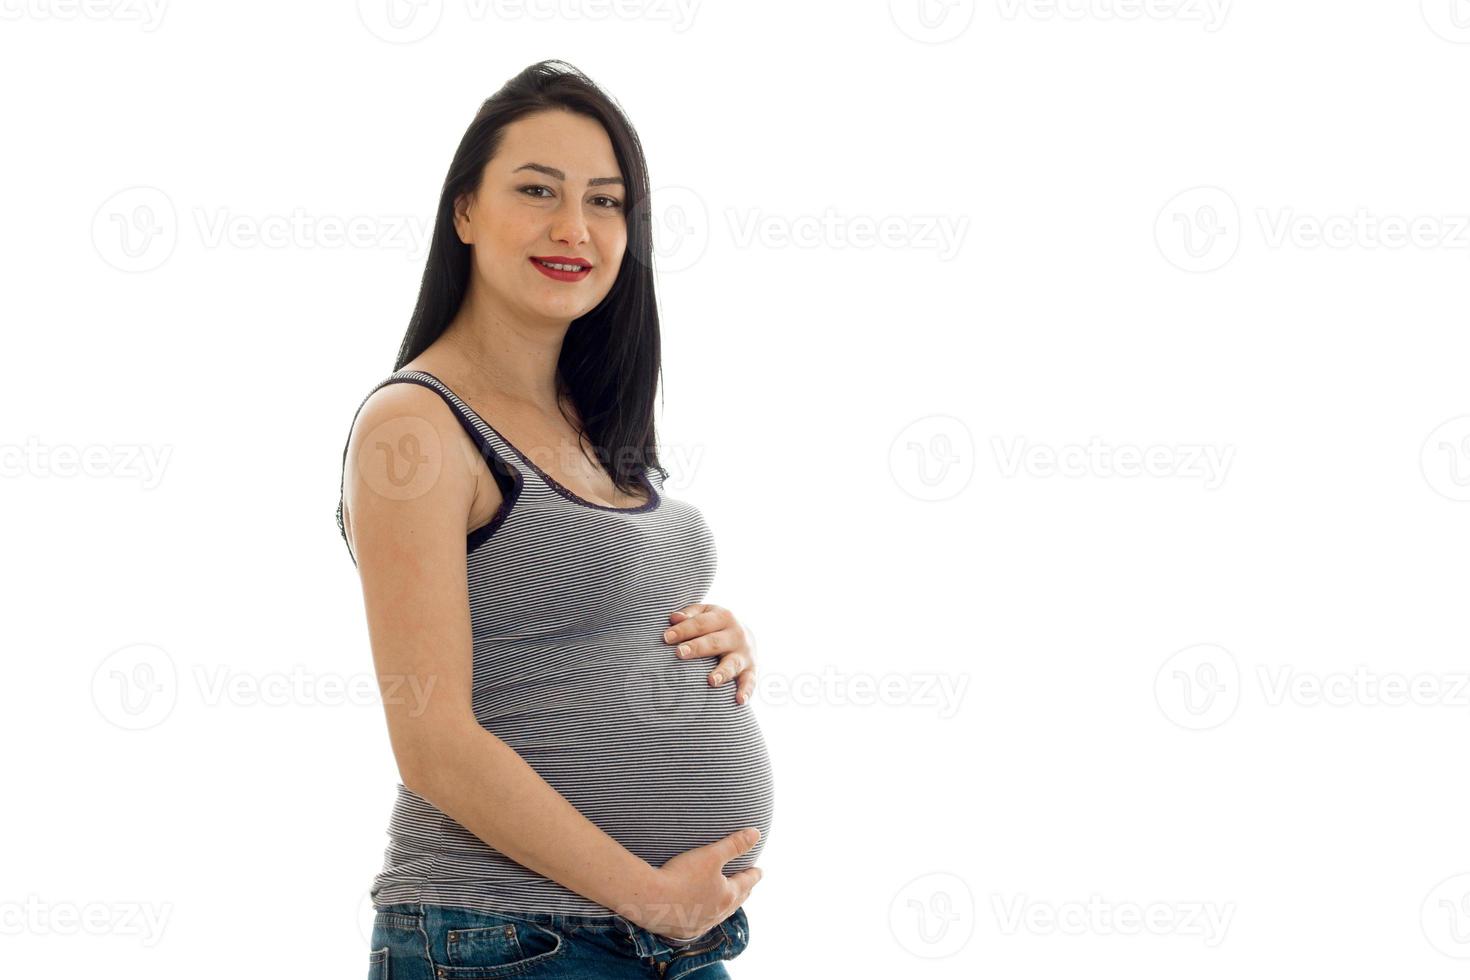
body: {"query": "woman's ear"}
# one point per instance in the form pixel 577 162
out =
pixel 462 219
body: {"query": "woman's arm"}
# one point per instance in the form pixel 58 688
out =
pixel 490 790
pixel 409 489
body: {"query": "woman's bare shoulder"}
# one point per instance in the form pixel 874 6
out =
pixel 408 461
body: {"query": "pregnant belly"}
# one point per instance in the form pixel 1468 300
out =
pixel 639 742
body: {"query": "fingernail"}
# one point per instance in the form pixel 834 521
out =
pixel 683 649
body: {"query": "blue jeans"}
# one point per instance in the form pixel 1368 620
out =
pixel 439 942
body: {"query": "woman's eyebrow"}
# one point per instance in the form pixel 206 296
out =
pixel 559 175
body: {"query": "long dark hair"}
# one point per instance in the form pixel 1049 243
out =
pixel 610 366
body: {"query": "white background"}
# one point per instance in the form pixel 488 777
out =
pixel 1214 231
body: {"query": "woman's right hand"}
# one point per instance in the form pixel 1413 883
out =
pixel 694 893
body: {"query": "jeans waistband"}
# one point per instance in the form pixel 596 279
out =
pixel 647 943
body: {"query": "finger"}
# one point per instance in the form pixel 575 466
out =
pixel 704 618
pixel 707 645
pixel 692 625
pixel 730 665
pixel 737 843
pixel 745 686
pixel 746 881
pixel 690 610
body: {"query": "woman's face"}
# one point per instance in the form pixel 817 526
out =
pixel 546 194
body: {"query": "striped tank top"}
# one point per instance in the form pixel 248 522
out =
pixel 569 601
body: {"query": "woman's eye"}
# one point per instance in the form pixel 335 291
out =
pixel 610 203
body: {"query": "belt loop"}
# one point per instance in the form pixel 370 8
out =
pixel 635 935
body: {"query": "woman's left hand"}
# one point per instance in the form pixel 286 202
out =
pixel 705 630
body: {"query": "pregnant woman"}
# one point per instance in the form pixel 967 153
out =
pixel 581 795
